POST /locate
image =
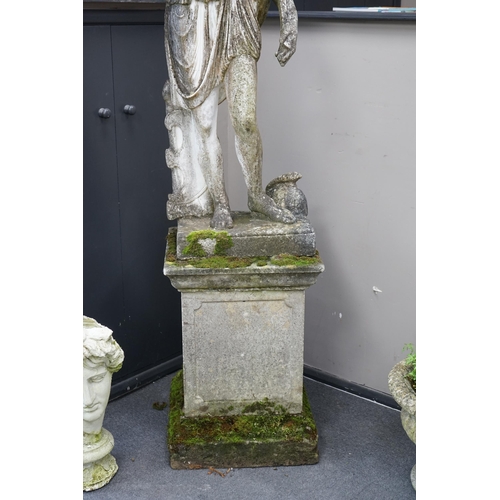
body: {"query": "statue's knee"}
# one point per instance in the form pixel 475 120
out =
pixel 245 127
pixel 205 118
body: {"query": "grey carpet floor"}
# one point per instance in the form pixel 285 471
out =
pixel 364 454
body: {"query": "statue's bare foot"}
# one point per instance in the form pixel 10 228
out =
pixel 263 204
pixel 221 218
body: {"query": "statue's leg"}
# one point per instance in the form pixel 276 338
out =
pixel 210 156
pixel 241 91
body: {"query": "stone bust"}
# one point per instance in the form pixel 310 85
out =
pixel 102 356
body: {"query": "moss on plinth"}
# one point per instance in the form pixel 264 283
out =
pixel 222 243
pixel 269 438
pixel 222 261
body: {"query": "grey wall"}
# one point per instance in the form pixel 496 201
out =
pixel 342 113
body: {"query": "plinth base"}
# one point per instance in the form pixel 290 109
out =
pixel 269 437
pixel 253 235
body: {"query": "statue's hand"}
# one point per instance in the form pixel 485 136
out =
pixel 288 32
pixel 288 44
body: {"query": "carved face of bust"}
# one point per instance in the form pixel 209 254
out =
pixel 102 356
pixel 96 389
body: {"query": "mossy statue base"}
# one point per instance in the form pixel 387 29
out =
pixel 269 436
pixel 99 473
pixel 99 466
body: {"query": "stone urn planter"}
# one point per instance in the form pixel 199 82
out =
pixel 406 397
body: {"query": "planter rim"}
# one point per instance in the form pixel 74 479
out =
pixel 401 389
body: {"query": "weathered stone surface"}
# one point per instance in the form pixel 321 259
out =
pixel 405 397
pixel 254 235
pixel 99 466
pixel 186 278
pixel 243 333
pixel 285 193
pixel 102 356
pixel 240 347
pixel 272 437
pixel 212 49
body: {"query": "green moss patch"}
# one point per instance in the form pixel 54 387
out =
pixel 223 242
pixel 198 259
pixel 159 406
pixel 171 245
pixel 218 262
pixel 271 437
pixel 286 259
pixel 234 262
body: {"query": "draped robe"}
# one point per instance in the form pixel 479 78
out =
pixel 203 37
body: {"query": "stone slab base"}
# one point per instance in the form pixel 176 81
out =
pixel 254 235
pixel 270 438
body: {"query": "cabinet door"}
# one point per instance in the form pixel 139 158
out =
pixel 102 271
pixel 151 324
pixel 126 185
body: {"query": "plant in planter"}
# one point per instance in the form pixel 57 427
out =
pixel 403 387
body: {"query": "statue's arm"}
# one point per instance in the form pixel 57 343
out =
pixel 288 31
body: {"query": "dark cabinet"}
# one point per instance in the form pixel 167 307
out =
pixel 126 184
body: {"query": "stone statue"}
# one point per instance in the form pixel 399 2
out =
pixel 212 48
pixel 102 356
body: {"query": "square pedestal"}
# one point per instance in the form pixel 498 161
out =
pixel 271 437
pixel 242 335
pixel 241 347
pixel 242 400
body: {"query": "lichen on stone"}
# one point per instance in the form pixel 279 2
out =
pixel 99 473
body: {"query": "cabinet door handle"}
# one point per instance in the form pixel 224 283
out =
pixel 129 109
pixel 104 113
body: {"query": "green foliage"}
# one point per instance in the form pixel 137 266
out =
pixel 411 362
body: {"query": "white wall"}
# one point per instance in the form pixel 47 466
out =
pixel 342 113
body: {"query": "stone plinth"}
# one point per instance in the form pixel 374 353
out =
pixel 243 335
pixel 256 338
pixel 243 343
pixel 254 235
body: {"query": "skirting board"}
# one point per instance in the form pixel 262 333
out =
pixel 146 377
pixel 352 387
pixel 128 385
